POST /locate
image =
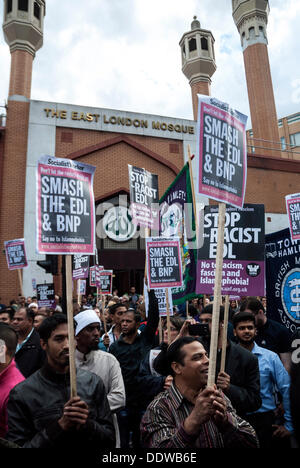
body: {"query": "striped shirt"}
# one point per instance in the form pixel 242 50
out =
pixel 162 426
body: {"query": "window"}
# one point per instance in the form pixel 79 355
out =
pixel 37 10
pixel 9 6
pixel 204 43
pixel 295 139
pixel 283 143
pixel 23 5
pixel 192 45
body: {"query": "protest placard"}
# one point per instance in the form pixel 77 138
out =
pixel 163 257
pixel 45 295
pixel 80 268
pixel 283 279
pixel 143 196
pixel 221 151
pixel 243 253
pixel 161 298
pixel 65 207
pixel 106 281
pixel 293 211
pixel 81 287
pixel 15 254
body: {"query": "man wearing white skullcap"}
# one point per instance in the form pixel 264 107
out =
pixel 101 363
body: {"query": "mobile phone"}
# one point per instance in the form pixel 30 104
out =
pixel 198 329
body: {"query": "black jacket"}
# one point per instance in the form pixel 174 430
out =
pixel 30 357
pixel 131 355
pixel 36 404
pixel 244 390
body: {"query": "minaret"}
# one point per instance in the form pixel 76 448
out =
pixel 23 31
pixel 198 60
pixel 251 18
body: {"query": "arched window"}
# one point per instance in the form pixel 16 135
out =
pixel 9 6
pixel 204 43
pixel 192 44
pixel 23 5
pixel 37 10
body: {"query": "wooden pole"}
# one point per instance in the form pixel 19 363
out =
pixel 168 317
pixel 20 281
pixel 224 336
pixel 73 383
pixel 217 298
pixel 160 332
pixel 103 307
pixel 193 191
pixel 147 232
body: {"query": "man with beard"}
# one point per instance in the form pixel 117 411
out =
pixel 272 373
pixel 101 363
pixel 130 349
pixel 41 413
pixel 189 414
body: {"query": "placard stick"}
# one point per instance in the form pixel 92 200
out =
pixel 147 233
pixel 160 332
pixel 78 292
pixel 73 383
pixel 224 336
pixel 168 317
pixel 193 190
pixel 20 281
pixel 103 307
pixel 217 298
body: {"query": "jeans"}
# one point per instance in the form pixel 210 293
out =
pixel 129 420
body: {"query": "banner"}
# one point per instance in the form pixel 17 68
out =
pixel 15 254
pixel 162 302
pixel 65 207
pixel 45 295
pixel 221 151
pixel 293 211
pixel 244 251
pixel 106 281
pixel 163 262
pixel 177 219
pixel 283 279
pixel 80 268
pixel 143 195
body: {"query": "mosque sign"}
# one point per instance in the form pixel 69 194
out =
pixel 65 207
pixel 222 152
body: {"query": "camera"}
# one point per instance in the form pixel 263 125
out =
pixel 199 329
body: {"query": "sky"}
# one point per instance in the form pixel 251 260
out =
pixel 125 55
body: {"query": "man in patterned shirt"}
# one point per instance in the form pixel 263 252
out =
pixel 189 414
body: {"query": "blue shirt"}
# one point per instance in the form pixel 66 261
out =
pixel 273 374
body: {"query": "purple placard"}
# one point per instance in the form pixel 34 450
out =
pixel 243 271
pixel 164 267
pixel 221 151
pixel 293 211
pixel 15 254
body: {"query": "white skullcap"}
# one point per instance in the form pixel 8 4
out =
pixel 85 318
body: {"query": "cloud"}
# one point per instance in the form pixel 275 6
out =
pixel 125 54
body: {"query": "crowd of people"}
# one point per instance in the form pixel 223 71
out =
pixel 142 379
